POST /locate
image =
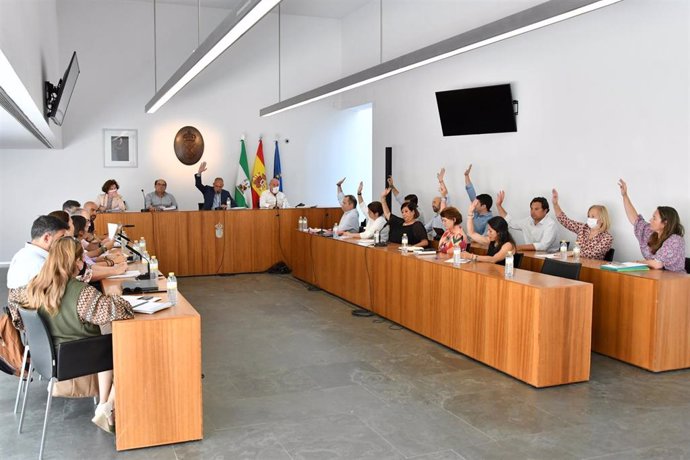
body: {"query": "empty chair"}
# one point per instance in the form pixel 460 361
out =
pixel 562 269
pixel 608 257
pixel 687 264
pixel 517 259
pixel 66 361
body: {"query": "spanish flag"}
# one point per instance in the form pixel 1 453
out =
pixel 259 182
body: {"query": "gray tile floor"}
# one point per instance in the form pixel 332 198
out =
pixel 290 374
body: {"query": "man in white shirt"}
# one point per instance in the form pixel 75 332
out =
pixel 29 260
pixel 350 220
pixel 273 197
pixel 540 232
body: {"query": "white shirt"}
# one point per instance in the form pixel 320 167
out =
pixel 543 236
pixel 268 200
pixel 350 219
pixel 373 225
pixel 25 264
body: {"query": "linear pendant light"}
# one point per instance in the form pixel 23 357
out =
pixel 227 33
pixel 530 19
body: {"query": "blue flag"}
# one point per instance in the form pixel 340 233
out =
pixel 276 167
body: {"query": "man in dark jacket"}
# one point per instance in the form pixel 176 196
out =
pixel 215 197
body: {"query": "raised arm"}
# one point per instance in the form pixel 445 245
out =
pixel 340 193
pixel 630 210
pixel 470 225
pixel 394 189
pixel 444 196
pixel 554 200
pixel 386 209
pixel 360 200
pixel 469 188
pixel 499 203
pixel 197 177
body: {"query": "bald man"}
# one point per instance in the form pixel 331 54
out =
pixel 273 197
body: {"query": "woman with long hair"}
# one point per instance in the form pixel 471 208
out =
pixel 74 310
pixel 593 237
pixel 498 238
pixel 661 239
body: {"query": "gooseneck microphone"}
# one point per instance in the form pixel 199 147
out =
pixel 144 195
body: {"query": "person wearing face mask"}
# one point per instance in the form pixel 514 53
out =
pixel 273 197
pixel 375 219
pixel 593 237
pixel 661 239
pixel 110 200
pixel 408 224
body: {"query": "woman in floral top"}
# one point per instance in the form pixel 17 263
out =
pixel 661 240
pixel 454 235
pixel 593 237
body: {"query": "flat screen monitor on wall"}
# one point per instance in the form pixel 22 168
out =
pixel 58 97
pixel 483 110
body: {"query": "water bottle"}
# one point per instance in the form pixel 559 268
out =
pixel 300 223
pixel 154 267
pixel 377 237
pixel 509 265
pixel 172 288
pixel 564 249
pixel 457 255
pixel 404 241
pixel 576 252
pixel 142 244
pixel 228 204
pixel 136 257
pixel 306 224
pixel 145 259
pixel 335 231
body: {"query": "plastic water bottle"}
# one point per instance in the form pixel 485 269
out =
pixel 172 288
pixel 404 242
pixel 576 252
pixel 335 231
pixel 457 255
pixel 306 224
pixel 154 267
pixel 142 245
pixel 146 260
pixel 377 237
pixel 228 203
pixel 300 223
pixel 509 265
pixel 564 249
pixel 136 257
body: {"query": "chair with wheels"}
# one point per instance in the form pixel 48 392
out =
pixel 65 361
pixel 562 269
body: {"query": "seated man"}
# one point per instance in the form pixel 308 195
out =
pixel 273 197
pixel 27 262
pixel 159 199
pixel 400 199
pixel 70 205
pixel 435 227
pixel 482 214
pixel 350 220
pixel 540 232
pixel 215 197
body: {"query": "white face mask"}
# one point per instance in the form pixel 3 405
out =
pixel 274 190
pixel 592 222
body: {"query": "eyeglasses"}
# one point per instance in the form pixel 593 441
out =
pixel 163 184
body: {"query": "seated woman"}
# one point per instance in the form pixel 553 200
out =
pixel 498 238
pixel 74 310
pixel 110 200
pixel 454 234
pixel 593 237
pixel 102 266
pixel 375 219
pixel 416 233
pixel 661 240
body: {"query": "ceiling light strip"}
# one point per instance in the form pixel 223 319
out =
pixel 525 21
pixel 227 33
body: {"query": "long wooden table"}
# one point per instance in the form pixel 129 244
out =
pixel 157 371
pixel 534 327
pixel 642 318
pixel 185 242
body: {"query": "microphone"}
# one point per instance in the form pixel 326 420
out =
pixel 148 265
pixel 127 226
pixel 144 195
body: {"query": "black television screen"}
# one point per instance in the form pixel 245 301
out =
pixel 65 89
pixel 487 109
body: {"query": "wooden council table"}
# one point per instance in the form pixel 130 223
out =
pixel 157 374
pixel 534 327
pixel 642 318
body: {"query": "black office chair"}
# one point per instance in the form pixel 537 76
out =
pixel 201 206
pixel 517 259
pixel 687 265
pixel 608 257
pixel 562 269
pixel 66 361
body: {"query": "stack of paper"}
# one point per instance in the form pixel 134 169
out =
pixel 625 267
pixel 148 306
pixel 127 274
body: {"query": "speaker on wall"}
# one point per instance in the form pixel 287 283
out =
pixel 389 172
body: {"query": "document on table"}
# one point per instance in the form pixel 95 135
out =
pixel 127 274
pixel 151 307
pixel 462 261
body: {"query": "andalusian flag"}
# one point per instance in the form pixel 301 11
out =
pixel 243 193
pixel 259 183
pixel 276 167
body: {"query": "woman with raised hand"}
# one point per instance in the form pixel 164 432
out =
pixel 661 239
pixel 498 239
pixel 375 219
pixel 593 237
pixel 416 233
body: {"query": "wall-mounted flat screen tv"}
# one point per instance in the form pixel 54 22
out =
pixel 482 110
pixel 65 88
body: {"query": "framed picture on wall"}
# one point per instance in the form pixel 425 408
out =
pixel 120 148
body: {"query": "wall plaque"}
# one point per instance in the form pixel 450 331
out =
pixel 189 145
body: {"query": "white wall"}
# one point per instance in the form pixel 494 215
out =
pixel 223 102
pixel 601 96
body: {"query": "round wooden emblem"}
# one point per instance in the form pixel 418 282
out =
pixel 189 145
